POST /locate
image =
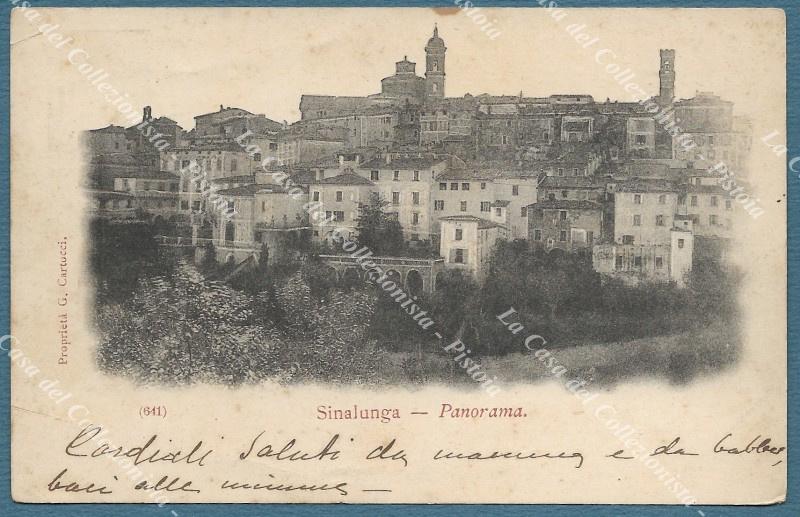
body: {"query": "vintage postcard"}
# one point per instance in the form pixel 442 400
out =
pixel 398 255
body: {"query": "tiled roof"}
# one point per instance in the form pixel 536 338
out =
pixel 482 223
pixel 412 162
pixel 234 179
pixel 647 185
pixel 109 129
pixel 705 189
pixel 222 111
pixel 565 204
pixel 252 189
pixel 587 182
pixel 347 178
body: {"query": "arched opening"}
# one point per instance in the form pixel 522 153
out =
pixel 230 232
pixel 439 279
pixel 333 275
pixel 229 260
pixel 395 277
pixel 414 282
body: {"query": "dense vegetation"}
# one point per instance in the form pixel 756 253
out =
pixel 163 319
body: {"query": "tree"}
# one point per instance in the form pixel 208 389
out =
pixel 377 230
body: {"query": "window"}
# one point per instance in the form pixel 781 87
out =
pixel 184 164
pixel 395 198
pixel 414 218
pixel 627 239
pixel 339 195
pixel 712 220
pixel 234 165
pixel 486 206
pixel 714 201
pixel 498 212
pixel 563 236
pixel 196 205
pixel 219 164
pixel 396 176
pixel 454 186
pixel 415 198
pixel 375 175
pixel 438 205
pixel 659 262
pixel 693 201
pixel 328 215
pixel 442 186
pixel 415 176
pixel 659 220
pixel 637 261
pixel 465 186
pixel 523 212
pixel 562 215
pixel 338 215
pixel 618 262
pixel 184 205
pixel 463 206
pixel 315 195
pixel 483 186
pixel 637 199
pixel 504 140
pixel 590 237
pixel 637 220
pixel 257 157
pixel 641 139
pixel 273 146
pixel 459 234
pixel 680 243
pixel 537 235
pixel 710 139
pixel 728 204
pixel 662 199
pixel 564 194
pixel 459 254
pixel 575 171
pixel 515 190
pixel 560 171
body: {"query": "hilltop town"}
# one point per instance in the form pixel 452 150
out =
pixel 458 173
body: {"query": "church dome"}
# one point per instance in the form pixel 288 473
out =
pixel 435 41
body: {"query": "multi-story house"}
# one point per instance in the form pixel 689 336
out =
pixel 473 191
pixel 565 224
pixel 258 214
pixel 339 198
pixel 155 192
pixel 229 123
pixel 467 242
pixel 199 164
pixel 644 211
pixel 406 182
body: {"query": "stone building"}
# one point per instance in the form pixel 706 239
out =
pixel 566 224
pixel 467 243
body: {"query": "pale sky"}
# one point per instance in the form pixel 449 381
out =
pixel 185 62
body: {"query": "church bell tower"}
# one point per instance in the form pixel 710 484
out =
pixel 434 65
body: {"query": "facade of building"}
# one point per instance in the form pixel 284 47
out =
pixel 467 242
pixel 565 224
pixel 339 198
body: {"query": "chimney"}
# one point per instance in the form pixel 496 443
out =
pixel 147 114
pixel 220 107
